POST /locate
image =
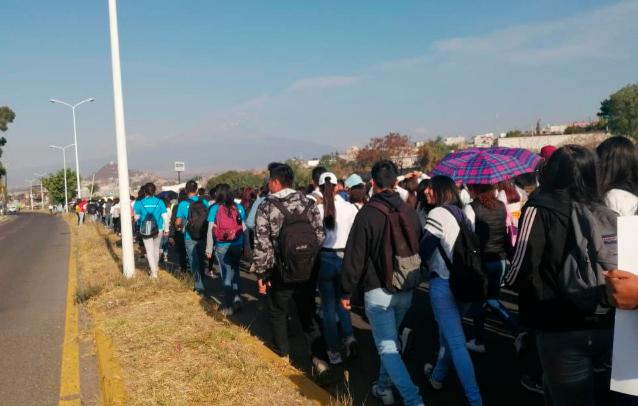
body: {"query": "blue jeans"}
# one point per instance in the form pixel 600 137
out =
pixel 229 257
pixel 385 312
pixel 329 282
pixel 452 340
pixel 494 271
pixel 195 264
pixel 568 359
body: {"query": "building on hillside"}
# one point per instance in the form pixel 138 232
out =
pixel 535 143
pixel 484 140
pixel 452 141
pixel 553 129
pixel 350 154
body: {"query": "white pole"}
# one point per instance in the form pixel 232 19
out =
pixel 120 132
pixel 66 194
pixel 92 183
pixel 77 161
pixel 41 194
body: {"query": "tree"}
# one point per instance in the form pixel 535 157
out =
pixel 303 175
pixel 621 111
pixel 430 153
pixel 6 116
pixel 393 146
pixel 537 131
pixel 515 133
pixel 55 185
pixel 236 179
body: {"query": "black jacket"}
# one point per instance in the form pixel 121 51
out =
pixel 544 235
pixel 362 261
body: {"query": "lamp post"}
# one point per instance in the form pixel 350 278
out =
pixel 66 194
pixel 75 135
pixel 41 175
pixel 31 191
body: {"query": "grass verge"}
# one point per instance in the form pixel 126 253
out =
pixel 172 347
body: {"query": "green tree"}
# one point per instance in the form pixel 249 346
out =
pixel 621 111
pixel 430 153
pixel 515 133
pixel 303 175
pixel 55 185
pixel 6 116
pixel 236 179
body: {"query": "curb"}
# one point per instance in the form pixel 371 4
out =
pixel 110 371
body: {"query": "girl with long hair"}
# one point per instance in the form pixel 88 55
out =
pixel 619 175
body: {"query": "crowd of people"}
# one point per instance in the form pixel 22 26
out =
pixel 379 236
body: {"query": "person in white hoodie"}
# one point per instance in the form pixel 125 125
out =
pixel 619 175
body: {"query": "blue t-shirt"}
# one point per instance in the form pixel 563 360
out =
pixel 212 214
pixel 182 213
pixel 152 205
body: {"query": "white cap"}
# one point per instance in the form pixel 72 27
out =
pixel 325 175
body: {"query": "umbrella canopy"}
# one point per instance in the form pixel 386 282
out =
pixel 480 166
pixel 526 157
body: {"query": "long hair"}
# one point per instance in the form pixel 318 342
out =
pixel 421 199
pixel 329 210
pixel 573 170
pixel 224 196
pixel 618 165
pixel 511 194
pixel 485 195
pixel 445 191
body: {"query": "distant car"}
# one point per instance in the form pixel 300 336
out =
pixel 12 209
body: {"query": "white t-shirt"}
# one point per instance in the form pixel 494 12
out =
pixel 345 214
pixel 622 202
pixel 442 224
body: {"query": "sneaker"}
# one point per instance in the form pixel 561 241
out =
pixel 473 346
pixel 227 311
pixel 427 370
pixel 531 385
pixel 237 303
pixel 386 396
pixel 334 357
pixel 352 347
pixel 319 366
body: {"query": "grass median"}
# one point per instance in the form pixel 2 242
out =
pixel 172 346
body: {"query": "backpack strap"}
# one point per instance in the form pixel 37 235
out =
pixel 279 205
pixel 383 208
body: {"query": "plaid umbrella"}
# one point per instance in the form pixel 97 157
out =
pixel 526 157
pixel 480 167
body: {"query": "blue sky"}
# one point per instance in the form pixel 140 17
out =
pixel 237 84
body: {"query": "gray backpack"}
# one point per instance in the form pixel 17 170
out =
pixel 594 249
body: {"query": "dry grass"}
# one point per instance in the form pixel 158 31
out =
pixel 173 348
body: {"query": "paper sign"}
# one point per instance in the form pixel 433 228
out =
pixel 624 370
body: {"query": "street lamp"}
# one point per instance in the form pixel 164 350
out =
pixel 41 175
pixel 30 190
pixel 75 135
pixel 66 195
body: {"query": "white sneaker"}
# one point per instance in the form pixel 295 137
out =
pixel 473 346
pixel 386 396
pixel 227 311
pixel 427 370
pixel 352 347
pixel 319 366
pixel 334 357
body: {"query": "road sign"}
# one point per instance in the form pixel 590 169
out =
pixel 179 166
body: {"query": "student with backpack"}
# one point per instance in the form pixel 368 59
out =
pixel 288 238
pixel 191 219
pixel 338 216
pixel 450 250
pixel 382 253
pixel 152 217
pixel 226 222
pixel 567 240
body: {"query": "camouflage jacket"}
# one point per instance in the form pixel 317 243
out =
pixel 268 223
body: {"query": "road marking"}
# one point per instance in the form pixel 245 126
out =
pixel 70 370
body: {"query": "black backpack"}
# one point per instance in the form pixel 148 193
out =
pixel 400 255
pixel 197 225
pixel 298 245
pixel 468 281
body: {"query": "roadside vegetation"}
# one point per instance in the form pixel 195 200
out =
pixel 173 347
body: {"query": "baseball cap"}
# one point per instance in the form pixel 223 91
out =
pixel 547 151
pixel 353 180
pixel 325 175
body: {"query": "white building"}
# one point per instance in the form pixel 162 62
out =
pixel 450 141
pixel 555 129
pixel 311 163
pixel 484 140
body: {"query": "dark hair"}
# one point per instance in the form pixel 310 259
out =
pixel 283 173
pixel 224 196
pixel 201 191
pixel 358 194
pixel 485 195
pixel 213 192
pixel 618 157
pixel 421 199
pixel 191 187
pixel 149 189
pixel 248 197
pixel 411 185
pixel 445 191
pixel 511 194
pixel 329 210
pixel 572 169
pixel 317 172
pixel 384 174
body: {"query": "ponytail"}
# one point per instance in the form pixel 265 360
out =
pixel 329 211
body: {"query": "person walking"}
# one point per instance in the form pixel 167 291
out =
pixel 191 220
pixel 149 210
pixel 226 223
pixel 488 217
pixel 385 305
pixel 443 226
pixel 285 261
pixel 337 216
pixel 571 341
pixel 619 175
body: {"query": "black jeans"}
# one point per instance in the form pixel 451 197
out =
pixel 279 297
pixel 568 360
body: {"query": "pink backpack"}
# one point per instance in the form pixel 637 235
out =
pixel 228 224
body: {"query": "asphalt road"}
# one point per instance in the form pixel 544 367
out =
pixel 34 250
